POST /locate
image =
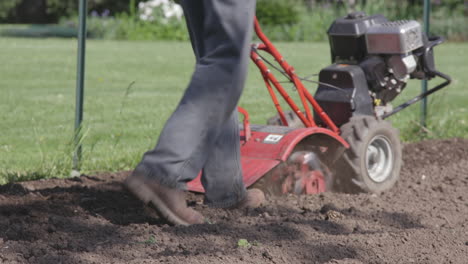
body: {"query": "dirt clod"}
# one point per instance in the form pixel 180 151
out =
pixel 93 219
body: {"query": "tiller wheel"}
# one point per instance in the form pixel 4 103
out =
pixel 346 114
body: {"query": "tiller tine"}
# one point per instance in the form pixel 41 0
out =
pixel 303 173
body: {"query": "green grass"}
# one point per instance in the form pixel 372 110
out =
pixel 37 82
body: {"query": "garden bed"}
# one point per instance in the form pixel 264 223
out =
pixel 93 219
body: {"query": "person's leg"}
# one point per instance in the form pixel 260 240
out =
pixel 222 173
pixel 204 124
pixel 170 203
pixel 192 131
pixel 195 18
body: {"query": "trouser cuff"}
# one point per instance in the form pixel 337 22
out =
pixel 231 201
pixel 149 174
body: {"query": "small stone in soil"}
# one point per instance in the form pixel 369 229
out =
pixel 267 255
pixel 50 229
pixel 327 207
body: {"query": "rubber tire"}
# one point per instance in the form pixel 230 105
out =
pixel 351 175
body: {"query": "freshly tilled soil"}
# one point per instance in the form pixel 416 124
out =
pixel 93 219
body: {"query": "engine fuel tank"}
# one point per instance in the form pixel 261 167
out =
pixel 397 37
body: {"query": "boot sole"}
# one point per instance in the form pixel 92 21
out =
pixel 145 194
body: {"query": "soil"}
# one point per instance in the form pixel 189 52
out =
pixel 93 219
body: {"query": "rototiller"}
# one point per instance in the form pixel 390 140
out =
pixel 338 140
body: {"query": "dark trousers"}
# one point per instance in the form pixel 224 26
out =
pixel 203 133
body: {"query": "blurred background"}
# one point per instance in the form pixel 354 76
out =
pixel 286 20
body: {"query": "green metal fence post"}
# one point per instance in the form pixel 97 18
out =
pixel 80 73
pixel 427 12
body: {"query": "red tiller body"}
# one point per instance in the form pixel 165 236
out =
pixel 265 147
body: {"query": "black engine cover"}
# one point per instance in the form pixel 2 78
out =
pixel 346 94
pixel 346 35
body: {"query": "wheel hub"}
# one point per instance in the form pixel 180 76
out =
pixel 379 159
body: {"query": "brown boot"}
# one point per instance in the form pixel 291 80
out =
pixel 169 203
pixel 253 199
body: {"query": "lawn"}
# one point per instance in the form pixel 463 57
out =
pixel 131 89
